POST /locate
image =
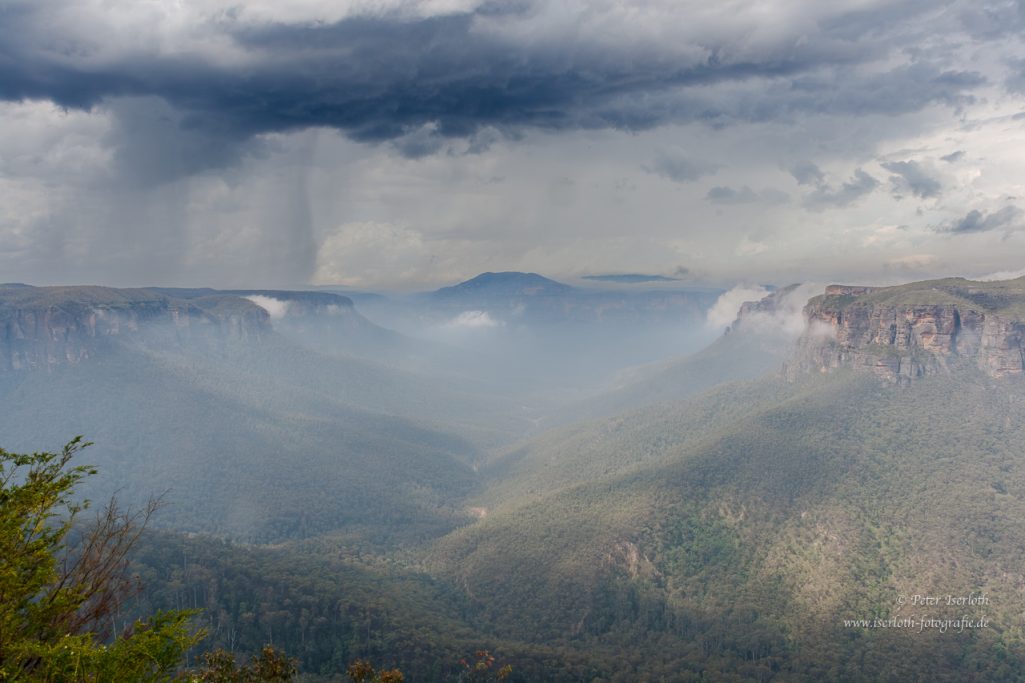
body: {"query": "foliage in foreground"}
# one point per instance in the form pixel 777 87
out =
pixel 220 666
pixel 57 615
pixel 62 589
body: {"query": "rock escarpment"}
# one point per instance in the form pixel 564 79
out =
pixel 905 332
pixel 45 327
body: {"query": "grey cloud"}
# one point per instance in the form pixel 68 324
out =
pixel 992 20
pixel 953 156
pixel 482 140
pixel 729 195
pixel 807 173
pixel 772 196
pixel 910 176
pixel 154 143
pixel 1015 81
pixel 420 143
pixel 745 195
pixel 680 168
pixel 858 186
pixel 900 90
pixel 1008 217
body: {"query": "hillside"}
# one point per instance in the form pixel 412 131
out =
pixel 735 532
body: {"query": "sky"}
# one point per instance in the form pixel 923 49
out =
pixel 397 145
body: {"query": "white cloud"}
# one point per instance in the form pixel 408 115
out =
pixel 276 308
pixel 724 311
pixel 369 252
pixel 474 320
pixel 1002 275
pixel 784 319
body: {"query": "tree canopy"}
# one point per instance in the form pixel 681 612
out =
pixel 58 599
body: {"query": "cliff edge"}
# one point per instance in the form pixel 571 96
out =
pixel 908 331
pixel 45 327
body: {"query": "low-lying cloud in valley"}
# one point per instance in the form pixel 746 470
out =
pixel 784 318
pixel 474 320
pixel 276 308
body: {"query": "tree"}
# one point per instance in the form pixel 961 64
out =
pixel 58 599
pixel 480 669
pixel 271 666
pixel 362 671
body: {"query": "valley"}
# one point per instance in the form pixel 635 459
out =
pixel 739 512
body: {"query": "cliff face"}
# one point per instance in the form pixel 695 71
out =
pixel 44 327
pixel 901 333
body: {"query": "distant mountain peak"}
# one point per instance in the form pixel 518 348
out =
pixel 506 283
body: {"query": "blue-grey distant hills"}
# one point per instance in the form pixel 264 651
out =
pixel 630 278
pixel 532 298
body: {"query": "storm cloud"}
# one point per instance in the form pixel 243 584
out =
pixel 385 74
pixel 410 143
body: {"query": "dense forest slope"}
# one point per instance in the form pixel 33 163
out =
pixel 733 534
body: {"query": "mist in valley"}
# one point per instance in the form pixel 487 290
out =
pixel 520 462
pixel 609 342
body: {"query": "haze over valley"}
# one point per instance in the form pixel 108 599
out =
pixel 459 340
pixel 717 511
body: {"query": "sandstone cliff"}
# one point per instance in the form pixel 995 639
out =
pixel 904 332
pixel 45 327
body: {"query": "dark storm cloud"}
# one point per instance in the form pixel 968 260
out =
pixel 1009 218
pixel 899 90
pixel 858 186
pixel 910 176
pixel 386 78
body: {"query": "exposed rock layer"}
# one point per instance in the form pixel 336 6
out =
pixel 902 333
pixel 44 327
